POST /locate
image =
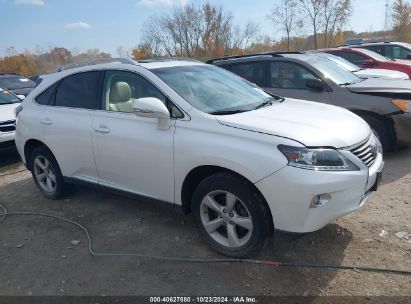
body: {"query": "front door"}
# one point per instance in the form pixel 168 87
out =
pixel 132 153
pixel 288 79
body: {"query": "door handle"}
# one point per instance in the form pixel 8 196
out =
pixel 102 129
pixel 46 121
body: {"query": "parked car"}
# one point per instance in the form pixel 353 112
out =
pixel 384 104
pixel 201 139
pixel 8 103
pixel 361 72
pixel 17 84
pixel 393 50
pixel 371 60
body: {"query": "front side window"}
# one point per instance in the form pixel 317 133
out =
pixel 79 91
pixel 212 89
pixel 357 59
pixel 286 75
pixel 397 52
pixel 252 71
pixel 121 88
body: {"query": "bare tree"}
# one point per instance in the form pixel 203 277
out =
pixel 313 10
pixel 286 16
pixel 401 20
pixel 200 31
pixel 336 13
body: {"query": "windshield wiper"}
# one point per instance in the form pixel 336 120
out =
pixel 264 104
pixel 227 112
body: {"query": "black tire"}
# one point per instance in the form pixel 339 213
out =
pixel 60 186
pixel 255 208
pixel 381 131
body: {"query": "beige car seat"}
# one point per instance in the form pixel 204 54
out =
pixel 120 97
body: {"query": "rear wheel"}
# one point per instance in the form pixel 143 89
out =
pixel 230 215
pixel 46 173
pixel 381 131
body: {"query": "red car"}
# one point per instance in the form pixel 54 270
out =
pixel 371 60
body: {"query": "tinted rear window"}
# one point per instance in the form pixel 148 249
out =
pixel 16 82
pixel 79 91
pixel 45 97
pixel 254 72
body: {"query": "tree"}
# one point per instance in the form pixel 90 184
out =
pixel 199 31
pixel 286 16
pixel 401 20
pixel 313 10
pixel 336 14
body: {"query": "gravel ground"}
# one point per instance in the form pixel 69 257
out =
pixel 43 256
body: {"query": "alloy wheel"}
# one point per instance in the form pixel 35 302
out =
pixel 45 174
pixel 226 219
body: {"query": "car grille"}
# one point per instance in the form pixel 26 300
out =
pixel 8 126
pixel 367 151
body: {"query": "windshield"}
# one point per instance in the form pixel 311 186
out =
pixel 7 97
pixel 340 61
pixel 334 72
pixel 16 82
pixel 374 55
pixel 212 89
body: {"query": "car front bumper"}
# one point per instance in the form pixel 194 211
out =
pixel 290 191
pixel 402 125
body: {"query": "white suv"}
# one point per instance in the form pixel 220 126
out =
pixel 199 137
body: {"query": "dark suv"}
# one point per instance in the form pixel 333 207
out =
pixel 393 50
pixel 17 84
pixel 384 104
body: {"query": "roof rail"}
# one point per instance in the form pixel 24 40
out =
pixel 93 62
pixel 272 54
pixel 162 59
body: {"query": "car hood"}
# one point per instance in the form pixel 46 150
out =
pixel 7 111
pixel 375 85
pixel 310 123
pixel 381 73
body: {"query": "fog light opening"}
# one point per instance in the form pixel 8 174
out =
pixel 320 200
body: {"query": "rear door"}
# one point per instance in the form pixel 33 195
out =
pixel 288 79
pixel 66 124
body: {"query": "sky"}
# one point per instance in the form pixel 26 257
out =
pixel 108 24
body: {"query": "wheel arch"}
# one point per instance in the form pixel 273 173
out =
pixel 198 174
pixel 385 119
pixel 29 147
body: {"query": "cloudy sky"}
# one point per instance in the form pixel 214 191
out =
pixel 107 24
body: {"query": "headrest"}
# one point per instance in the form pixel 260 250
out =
pixel 120 91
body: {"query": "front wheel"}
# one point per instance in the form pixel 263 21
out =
pixel 230 215
pixel 381 131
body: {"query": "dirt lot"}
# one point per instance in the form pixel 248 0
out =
pixel 38 258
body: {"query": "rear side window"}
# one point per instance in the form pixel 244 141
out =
pixel 252 71
pixel 45 97
pixel 79 91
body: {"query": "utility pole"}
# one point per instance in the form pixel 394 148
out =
pixel 387 16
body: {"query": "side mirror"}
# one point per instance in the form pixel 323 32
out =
pixel 315 84
pixel 368 62
pixel 151 107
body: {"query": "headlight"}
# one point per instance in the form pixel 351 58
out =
pixel 317 159
pixel 402 104
pixel 378 144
